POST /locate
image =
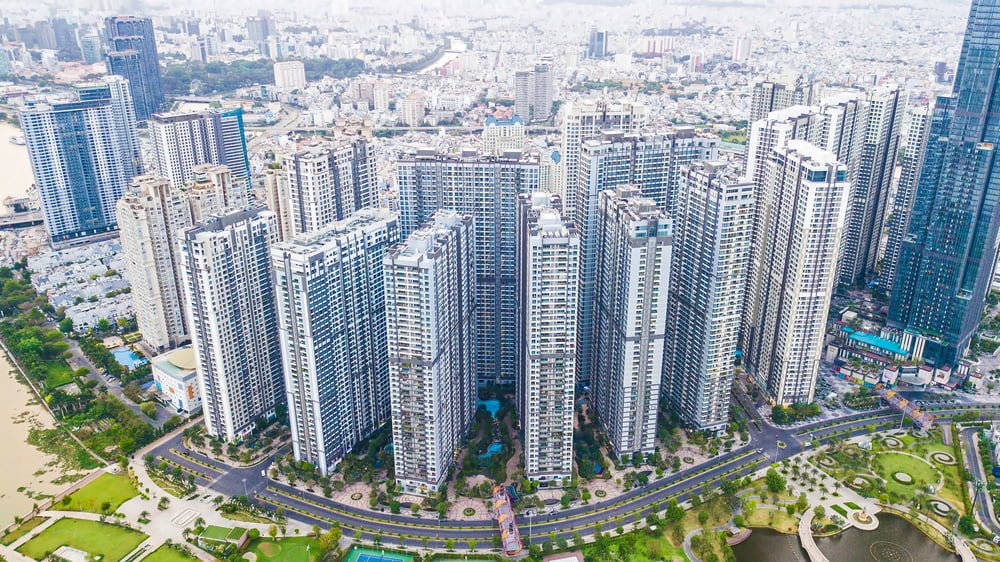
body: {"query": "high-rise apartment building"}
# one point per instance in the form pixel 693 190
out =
pixel 289 74
pixel 633 272
pixel 430 299
pixel 485 187
pixel 331 304
pixel 276 195
pixel 412 109
pixel 534 91
pixel 228 286
pixel 182 140
pixel 584 120
pixel 501 135
pixel 548 251
pixel 650 163
pixel 801 212
pixel 871 184
pixel 150 218
pixel 772 96
pixel 212 190
pixel 329 181
pixel 711 256
pixel 83 155
pixel 906 189
pixel 132 55
pixel 947 256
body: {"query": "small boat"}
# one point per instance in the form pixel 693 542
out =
pixel 17 139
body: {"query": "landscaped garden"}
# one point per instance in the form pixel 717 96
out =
pixel 108 542
pixel 103 495
pixel 904 469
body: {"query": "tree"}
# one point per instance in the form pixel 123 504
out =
pixel 272 531
pixel 967 525
pixel 702 517
pixel 802 503
pixel 775 482
pixel 66 325
pixel 820 512
pixel 472 545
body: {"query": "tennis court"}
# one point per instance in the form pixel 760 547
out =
pixel 369 555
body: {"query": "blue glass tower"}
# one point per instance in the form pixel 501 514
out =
pixel 948 253
pixel 132 55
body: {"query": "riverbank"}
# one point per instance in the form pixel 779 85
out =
pixel 35 475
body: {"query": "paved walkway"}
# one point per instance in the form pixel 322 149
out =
pixel 807 540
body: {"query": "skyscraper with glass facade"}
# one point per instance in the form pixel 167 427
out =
pixel 83 154
pixel 946 259
pixel 132 55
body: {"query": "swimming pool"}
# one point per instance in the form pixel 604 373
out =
pixel 493 449
pixel 492 406
pixel 128 358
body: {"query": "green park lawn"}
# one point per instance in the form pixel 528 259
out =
pixel 109 542
pixel 286 550
pixel 890 463
pixel 57 373
pixel 115 489
pixel 168 553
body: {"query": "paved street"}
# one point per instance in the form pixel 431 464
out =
pixel 311 508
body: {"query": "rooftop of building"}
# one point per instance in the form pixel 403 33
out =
pixel 809 150
pixel 514 120
pixel 179 362
pixel 875 341
pixel 312 241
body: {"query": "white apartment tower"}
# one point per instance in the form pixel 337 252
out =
pixel 583 120
pixel 534 91
pixel 871 184
pixel 430 324
pixel 150 218
pixel 331 305
pixel 485 187
pixel 183 140
pixel 711 256
pixel 231 315
pixel 329 181
pixel 773 96
pixel 648 162
pixel 635 241
pixel 275 194
pixel 801 211
pixel 548 250
pixel 289 75
pixel 906 189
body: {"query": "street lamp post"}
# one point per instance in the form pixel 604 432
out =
pixel 245 494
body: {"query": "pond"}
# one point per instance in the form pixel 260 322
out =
pixel 895 540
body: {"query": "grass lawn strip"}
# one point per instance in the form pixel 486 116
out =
pixel 214 532
pixel 109 542
pixel 115 489
pixel 840 510
pixel 167 553
pixel 22 529
pixel 298 549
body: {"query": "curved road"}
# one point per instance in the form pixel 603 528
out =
pixel 765 449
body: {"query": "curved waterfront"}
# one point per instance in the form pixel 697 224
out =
pixel 895 540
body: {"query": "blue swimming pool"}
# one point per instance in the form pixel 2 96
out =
pixel 128 358
pixel 493 449
pixel 492 406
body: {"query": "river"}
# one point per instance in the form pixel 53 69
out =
pixel 29 470
pixel 17 177
pixel 895 540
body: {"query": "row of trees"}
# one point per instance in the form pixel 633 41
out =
pixel 216 77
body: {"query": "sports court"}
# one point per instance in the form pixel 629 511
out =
pixel 369 555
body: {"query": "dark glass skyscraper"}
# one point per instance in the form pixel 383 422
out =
pixel 132 55
pixel 948 253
